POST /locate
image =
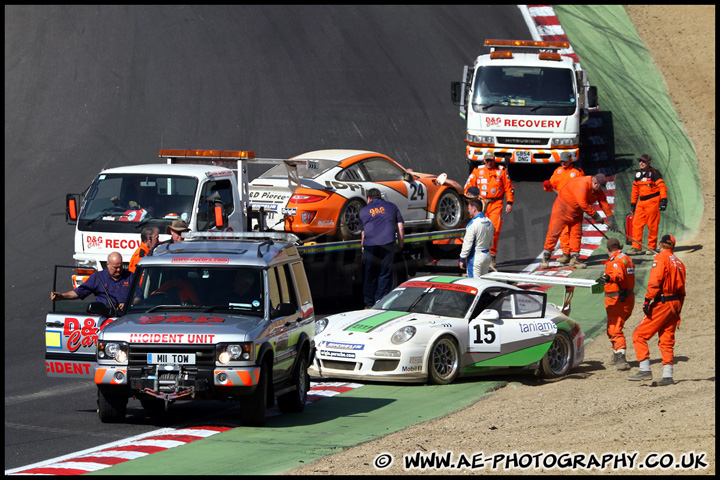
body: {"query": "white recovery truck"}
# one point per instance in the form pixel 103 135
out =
pixel 524 101
pixel 210 190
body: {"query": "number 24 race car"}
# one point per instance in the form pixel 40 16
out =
pixel 434 329
pixel 332 187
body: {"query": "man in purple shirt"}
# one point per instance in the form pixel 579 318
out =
pixel 114 282
pixel 379 220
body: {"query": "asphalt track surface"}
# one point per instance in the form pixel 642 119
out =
pixel 90 87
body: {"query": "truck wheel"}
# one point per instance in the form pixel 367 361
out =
pixel 347 228
pixel 111 406
pixel 253 407
pixel 449 211
pixel 294 402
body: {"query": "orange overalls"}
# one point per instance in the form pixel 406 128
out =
pixel 560 177
pixel 647 190
pixel 493 184
pixel 142 251
pixel 619 296
pixel 666 289
pixel 574 199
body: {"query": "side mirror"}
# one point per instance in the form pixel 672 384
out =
pixel 219 212
pixel 283 310
pixel 489 314
pixel 592 97
pixel 456 91
pixel 407 177
pixel 99 308
pixel 72 208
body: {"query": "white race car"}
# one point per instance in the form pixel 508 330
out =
pixel 435 329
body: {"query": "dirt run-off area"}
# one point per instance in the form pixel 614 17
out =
pixel 595 410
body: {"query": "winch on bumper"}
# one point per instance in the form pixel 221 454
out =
pixel 172 382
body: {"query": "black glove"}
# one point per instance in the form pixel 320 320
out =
pixel 604 279
pixel 632 207
pixel 646 307
pixel 663 204
pixel 597 218
pixel 612 224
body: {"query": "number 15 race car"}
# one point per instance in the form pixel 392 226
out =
pixel 332 187
pixel 434 329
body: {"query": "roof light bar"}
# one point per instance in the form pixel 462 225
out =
pixel 194 153
pixel 527 44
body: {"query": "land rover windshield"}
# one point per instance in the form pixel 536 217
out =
pixel 206 288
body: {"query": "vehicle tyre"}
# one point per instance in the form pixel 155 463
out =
pixel 556 362
pixel 294 402
pixel 253 407
pixel 112 407
pixel 347 228
pixel 449 211
pixel 443 361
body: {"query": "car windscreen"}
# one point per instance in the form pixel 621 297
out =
pixel 313 169
pixel 233 289
pixel 127 200
pixel 446 300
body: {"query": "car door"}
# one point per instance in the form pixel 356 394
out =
pixel 71 334
pixel 282 291
pixel 411 197
pixel 512 329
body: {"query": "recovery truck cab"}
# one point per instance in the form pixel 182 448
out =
pixel 524 102
pixel 219 316
pixel 208 189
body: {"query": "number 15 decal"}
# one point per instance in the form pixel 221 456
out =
pixel 417 195
pixel 484 336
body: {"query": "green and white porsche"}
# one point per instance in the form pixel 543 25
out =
pixel 435 329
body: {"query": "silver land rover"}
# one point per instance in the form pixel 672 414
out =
pixel 219 316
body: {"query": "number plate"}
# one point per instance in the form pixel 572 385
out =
pixel 523 156
pixel 171 358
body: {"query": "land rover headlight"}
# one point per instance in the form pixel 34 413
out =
pixel 403 335
pixel 235 352
pixel 117 351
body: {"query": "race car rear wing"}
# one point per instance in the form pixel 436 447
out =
pixel 528 279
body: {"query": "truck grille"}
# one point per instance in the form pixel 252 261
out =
pixel 204 354
pixel 523 141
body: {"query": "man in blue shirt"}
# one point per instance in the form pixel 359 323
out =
pixel 114 282
pixel 379 220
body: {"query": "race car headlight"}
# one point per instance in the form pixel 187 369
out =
pixel 234 352
pixel 403 335
pixel 320 325
pixel 117 351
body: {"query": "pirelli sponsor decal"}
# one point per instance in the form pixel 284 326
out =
pixel 368 324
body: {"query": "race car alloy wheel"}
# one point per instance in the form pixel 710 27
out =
pixel 112 406
pixel 253 407
pixel 556 361
pixel 443 362
pixel 348 220
pixel 449 211
pixel 294 402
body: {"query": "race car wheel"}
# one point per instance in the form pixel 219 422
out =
pixel 294 402
pixel 347 228
pixel 449 211
pixel 556 362
pixel 443 362
pixel 112 406
pixel 254 406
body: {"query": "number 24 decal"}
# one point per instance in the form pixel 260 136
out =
pixel 417 191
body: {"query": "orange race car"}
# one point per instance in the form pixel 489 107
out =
pixel 332 190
